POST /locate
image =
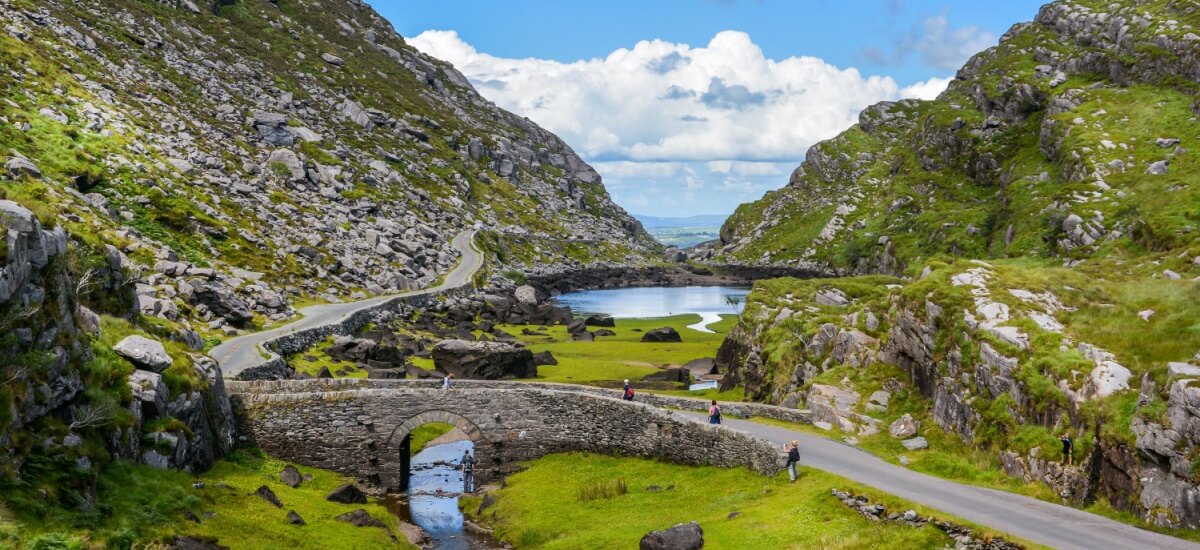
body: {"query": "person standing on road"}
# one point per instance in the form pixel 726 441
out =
pixel 1068 448
pixel 628 394
pixel 448 382
pixel 793 458
pixel 468 471
pixel 714 413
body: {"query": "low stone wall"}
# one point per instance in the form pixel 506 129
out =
pixel 356 427
pixel 285 345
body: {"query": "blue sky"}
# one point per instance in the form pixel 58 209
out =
pixel 682 116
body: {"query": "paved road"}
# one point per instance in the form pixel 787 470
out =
pixel 243 352
pixel 1028 518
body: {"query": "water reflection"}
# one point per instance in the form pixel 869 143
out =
pixel 627 303
pixel 432 503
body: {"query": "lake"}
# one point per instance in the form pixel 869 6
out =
pixel 661 301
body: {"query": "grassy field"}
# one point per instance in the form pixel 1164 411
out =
pixel 422 435
pixel 621 356
pixel 140 504
pixel 553 504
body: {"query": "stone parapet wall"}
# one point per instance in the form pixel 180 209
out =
pixel 357 427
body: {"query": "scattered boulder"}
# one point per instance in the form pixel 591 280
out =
pixel 878 401
pixel 685 536
pixel 347 494
pixel 664 334
pixel 603 332
pixel 600 321
pixel 1182 370
pixel 526 295
pixel 1157 168
pixel 577 326
pixel 905 426
pixel 544 358
pixel 702 366
pixel 484 360
pixel 290 476
pixel 415 535
pixel 294 518
pixel 360 518
pixel 332 59
pixel 144 353
pixel 19 166
pixel 915 444
pixel 268 495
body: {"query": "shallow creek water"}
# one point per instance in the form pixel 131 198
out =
pixel 432 499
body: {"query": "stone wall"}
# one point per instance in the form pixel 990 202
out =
pixel 356 427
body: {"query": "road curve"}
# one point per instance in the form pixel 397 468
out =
pixel 243 352
pixel 1034 520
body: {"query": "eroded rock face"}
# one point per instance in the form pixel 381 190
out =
pixel 484 360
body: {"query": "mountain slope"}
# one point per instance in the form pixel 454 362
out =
pixel 1019 261
pixel 298 148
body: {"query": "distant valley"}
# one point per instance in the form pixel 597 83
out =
pixel 684 231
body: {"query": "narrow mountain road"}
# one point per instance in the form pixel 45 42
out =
pixel 243 352
pixel 1034 520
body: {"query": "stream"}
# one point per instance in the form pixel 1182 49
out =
pixel 432 499
pixel 709 302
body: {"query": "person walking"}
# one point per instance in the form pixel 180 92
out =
pixel 467 465
pixel 793 458
pixel 628 394
pixel 714 413
pixel 448 382
pixel 1068 448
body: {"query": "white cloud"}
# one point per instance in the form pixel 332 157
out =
pixel 661 101
pixel 938 45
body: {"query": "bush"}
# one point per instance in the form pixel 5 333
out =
pixel 54 541
pixel 603 490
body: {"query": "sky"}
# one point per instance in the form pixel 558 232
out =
pixel 692 107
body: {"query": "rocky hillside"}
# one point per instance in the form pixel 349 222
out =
pixel 1018 258
pixel 243 154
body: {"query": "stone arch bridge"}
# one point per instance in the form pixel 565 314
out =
pixel 361 427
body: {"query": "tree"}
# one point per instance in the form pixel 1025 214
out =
pixel 92 415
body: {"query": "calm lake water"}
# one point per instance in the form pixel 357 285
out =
pixel 628 303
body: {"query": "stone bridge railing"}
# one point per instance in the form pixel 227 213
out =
pixel 357 427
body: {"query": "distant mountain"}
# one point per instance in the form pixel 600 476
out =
pixel 703 220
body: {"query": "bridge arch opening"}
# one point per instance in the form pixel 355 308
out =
pixel 401 437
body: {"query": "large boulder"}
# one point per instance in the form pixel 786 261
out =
pixel 484 360
pixel 685 536
pixel 220 300
pixel 600 321
pixel 144 353
pixel 526 294
pixel 673 374
pixel 664 334
pixel 290 476
pixel 273 128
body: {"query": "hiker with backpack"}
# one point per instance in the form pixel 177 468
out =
pixel 714 413
pixel 468 471
pixel 793 458
pixel 628 395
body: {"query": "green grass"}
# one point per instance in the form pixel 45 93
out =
pixel 542 507
pixel 623 356
pixel 140 504
pixel 422 435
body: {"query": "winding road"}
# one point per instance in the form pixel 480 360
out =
pixel 1031 519
pixel 243 352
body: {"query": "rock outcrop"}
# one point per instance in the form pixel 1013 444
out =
pixel 484 360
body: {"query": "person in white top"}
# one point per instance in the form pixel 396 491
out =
pixel 448 382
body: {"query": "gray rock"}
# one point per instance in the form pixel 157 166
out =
pixel 905 426
pixel 831 297
pixel 662 334
pixel 144 353
pixel 684 536
pixel 294 518
pixel 148 389
pixel 273 128
pixel 526 294
pixel 915 444
pixel 18 166
pixel 289 163
pixel 1182 370
pixel 333 59
pixel 1166 142
pixel 268 495
pixel 1157 168
pixel 347 494
pixel 290 476
pixel 86 320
